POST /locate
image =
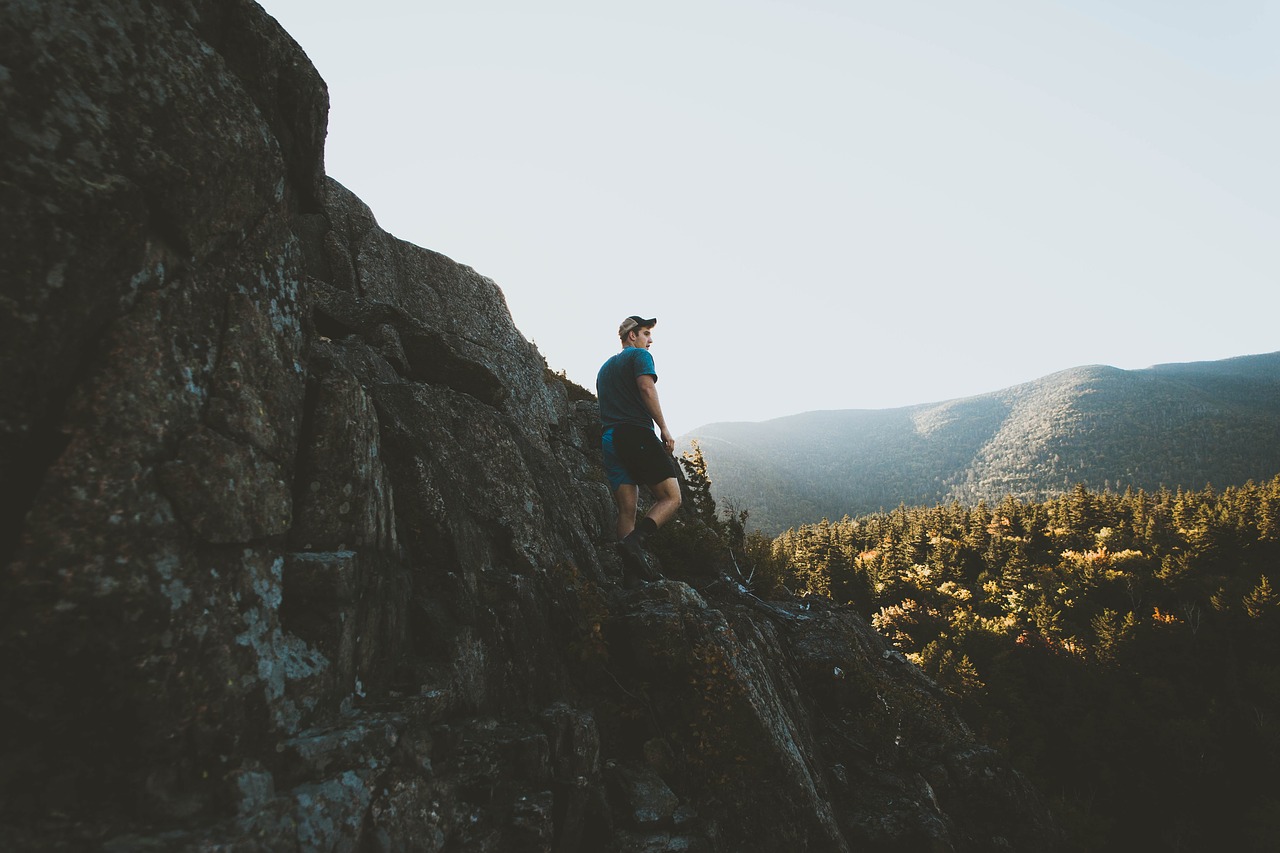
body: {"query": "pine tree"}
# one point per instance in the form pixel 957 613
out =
pixel 698 483
pixel 1262 601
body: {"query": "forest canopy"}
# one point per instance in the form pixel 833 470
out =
pixel 1122 648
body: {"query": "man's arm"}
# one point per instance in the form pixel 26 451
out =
pixel 648 386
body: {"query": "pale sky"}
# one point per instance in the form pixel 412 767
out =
pixel 828 205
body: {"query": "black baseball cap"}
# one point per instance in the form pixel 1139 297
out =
pixel 635 321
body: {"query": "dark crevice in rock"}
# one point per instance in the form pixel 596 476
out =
pixel 306 426
pixel 418 352
pixel 313 231
pixel 162 224
pixel 26 457
pixel 25 462
pixel 75 767
pixel 433 361
pixel 219 349
pixel 328 326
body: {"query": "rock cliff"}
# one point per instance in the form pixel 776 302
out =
pixel 304 547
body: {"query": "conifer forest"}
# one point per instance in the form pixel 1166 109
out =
pixel 1122 648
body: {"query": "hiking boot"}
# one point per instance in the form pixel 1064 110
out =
pixel 636 561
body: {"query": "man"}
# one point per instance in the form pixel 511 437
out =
pixel 633 456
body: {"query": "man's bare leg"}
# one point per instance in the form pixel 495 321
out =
pixel 631 535
pixel 626 497
pixel 666 501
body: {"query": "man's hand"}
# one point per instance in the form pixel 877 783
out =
pixel 668 441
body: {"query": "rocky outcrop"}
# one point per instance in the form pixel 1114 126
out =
pixel 305 548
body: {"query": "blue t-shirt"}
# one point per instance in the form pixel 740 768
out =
pixel 620 400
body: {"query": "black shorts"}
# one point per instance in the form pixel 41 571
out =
pixel 635 455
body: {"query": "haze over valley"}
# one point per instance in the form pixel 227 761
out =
pixel 1172 424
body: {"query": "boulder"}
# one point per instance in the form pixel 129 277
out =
pixel 303 545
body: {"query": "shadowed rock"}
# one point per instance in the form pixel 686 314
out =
pixel 304 547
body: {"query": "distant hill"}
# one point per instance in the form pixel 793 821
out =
pixel 1186 425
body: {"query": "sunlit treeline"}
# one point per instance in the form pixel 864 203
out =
pixel 1123 648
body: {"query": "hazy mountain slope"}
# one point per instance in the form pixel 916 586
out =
pixel 1174 424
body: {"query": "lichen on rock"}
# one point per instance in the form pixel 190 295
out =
pixel 305 547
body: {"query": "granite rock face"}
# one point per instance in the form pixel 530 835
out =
pixel 304 547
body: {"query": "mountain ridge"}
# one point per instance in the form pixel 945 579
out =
pixel 1178 424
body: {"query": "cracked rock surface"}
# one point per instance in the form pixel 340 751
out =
pixel 303 546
